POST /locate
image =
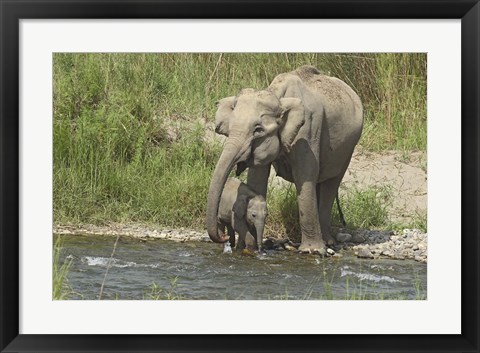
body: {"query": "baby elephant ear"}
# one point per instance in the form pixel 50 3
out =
pixel 292 118
pixel 240 206
pixel 224 114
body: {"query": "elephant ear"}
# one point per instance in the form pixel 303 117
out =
pixel 240 206
pixel 224 114
pixel 292 118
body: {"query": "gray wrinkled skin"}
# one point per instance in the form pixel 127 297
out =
pixel 306 124
pixel 242 210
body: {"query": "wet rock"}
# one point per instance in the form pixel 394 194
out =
pixel 381 246
pixel 387 253
pixel 404 245
pixel 205 238
pixel 343 237
pixel 276 244
pixel 338 247
pixel 289 247
pixel 248 252
pixel 358 238
pixel 364 254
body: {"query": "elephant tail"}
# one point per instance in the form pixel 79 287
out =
pixel 340 212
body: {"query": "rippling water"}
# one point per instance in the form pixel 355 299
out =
pixel 202 271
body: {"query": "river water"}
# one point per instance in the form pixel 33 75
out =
pixel 153 269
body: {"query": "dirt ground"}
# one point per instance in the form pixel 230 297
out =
pixel 404 173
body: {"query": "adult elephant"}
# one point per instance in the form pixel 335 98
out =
pixel 306 124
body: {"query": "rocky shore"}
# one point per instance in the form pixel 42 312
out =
pixel 133 230
pixel 366 244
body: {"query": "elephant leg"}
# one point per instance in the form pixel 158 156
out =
pixel 231 234
pixel 241 240
pixel 245 238
pixel 250 241
pixel 257 179
pixel 312 240
pixel 326 192
pixel 242 230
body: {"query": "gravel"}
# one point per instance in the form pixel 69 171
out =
pixel 367 244
pixel 408 244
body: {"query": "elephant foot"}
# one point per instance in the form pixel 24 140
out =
pixel 329 240
pixel 317 248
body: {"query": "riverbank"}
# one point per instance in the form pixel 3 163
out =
pixel 367 244
pixel 134 141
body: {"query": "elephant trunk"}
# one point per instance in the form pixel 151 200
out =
pixel 231 153
pixel 259 230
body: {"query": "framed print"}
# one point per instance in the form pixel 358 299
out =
pixel 197 175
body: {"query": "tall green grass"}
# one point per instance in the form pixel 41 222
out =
pixel 60 288
pixel 129 129
pixel 363 209
pixel 155 292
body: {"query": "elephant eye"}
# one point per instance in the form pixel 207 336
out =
pixel 258 130
pixel 254 215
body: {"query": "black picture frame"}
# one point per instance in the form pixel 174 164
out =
pixel 12 11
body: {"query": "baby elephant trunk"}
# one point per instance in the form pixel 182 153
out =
pixel 259 226
pixel 256 215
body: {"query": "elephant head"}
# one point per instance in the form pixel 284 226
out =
pixel 258 126
pixel 253 211
pixel 257 212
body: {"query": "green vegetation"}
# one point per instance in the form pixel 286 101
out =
pixel 155 292
pixel 283 213
pixel 418 221
pixel 366 208
pixel 60 288
pixel 353 291
pixel 129 129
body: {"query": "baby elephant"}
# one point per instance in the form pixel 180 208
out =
pixel 242 210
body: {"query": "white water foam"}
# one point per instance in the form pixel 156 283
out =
pixel 103 262
pixel 367 276
pixel 95 261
